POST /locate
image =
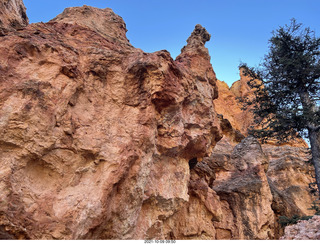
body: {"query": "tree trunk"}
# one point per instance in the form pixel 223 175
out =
pixel 314 137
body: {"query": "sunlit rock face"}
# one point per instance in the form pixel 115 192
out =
pixel 12 16
pixel 229 106
pixel 289 173
pixel 94 131
pixel 100 140
pixel 242 185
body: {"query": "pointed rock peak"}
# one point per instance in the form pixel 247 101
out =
pixel 196 44
pixel 244 72
pixel 199 36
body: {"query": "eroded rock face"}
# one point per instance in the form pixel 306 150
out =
pixel 99 140
pixel 229 198
pixel 242 185
pixel 106 22
pixel 229 106
pixel 289 177
pixel 94 131
pixel 12 16
pixel 289 173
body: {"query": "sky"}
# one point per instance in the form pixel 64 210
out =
pixel 240 29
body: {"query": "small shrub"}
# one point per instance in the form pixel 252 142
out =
pixel 284 220
pixel 316 207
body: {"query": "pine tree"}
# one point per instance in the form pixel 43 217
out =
pixel 286 103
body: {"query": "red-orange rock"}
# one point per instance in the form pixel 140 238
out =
pixel 100 140
pixel 289 174
pixel 12 16
pixel 242 185
pixel 106 23
pixel 229 106
pixel 92 129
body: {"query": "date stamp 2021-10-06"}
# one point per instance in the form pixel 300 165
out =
pixel 160 241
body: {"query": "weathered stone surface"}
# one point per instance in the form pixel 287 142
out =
pixel 94 132
pixel 229 198
pixel 166 196
pixel 289 176
pixel 100 140
pixel 106 22
pixel 12 16
pixel 228 105
pixel 242 185
pixel 304 230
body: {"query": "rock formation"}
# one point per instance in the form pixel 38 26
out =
pixel 229 106
pixel 12 16
pixel 242 185
pixel 289 173
pixel 231 109
pixel 94 130
pixel 100 140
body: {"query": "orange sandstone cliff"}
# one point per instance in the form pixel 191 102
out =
pixel 100 140
pixel 12 16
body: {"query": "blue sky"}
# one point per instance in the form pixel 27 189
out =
pixel 240 29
